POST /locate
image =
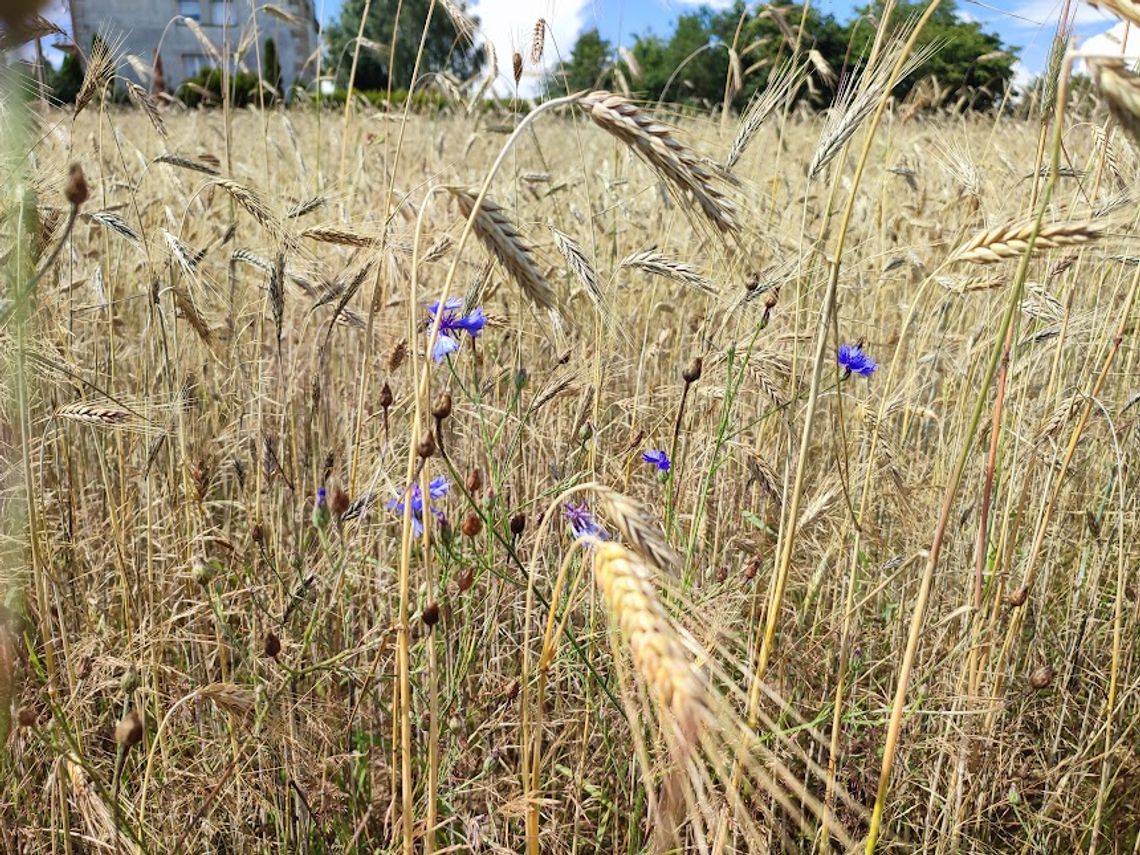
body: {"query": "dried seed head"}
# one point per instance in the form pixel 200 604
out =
pixel 386 396
pixel 26 717
pixel 517 66
pixel 465 579
pixel 518 524
pixel 425 448
pixel 1018 597
pixel 441 409
pixel 129 730
pixel 271 645
pixel 1042 677
pixel 76 190
pixel 511 691
pixel 692 372
pixel 257 534
pixel 474 480
pixel 472 525
pixel 430 616
pixel 538 42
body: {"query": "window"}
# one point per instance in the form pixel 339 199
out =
pixel 193 63
pixel 191 9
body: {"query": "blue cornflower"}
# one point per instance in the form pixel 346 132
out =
pixel 658 458
pixel 852 357
pixel 437 489
pixel 321 513
pixel 451 323
pixel 582 522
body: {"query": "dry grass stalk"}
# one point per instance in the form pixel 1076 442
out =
pixel 341 236
pixel 673 161
pixel 94 414
pixel 115 223
pixel 277 294
pixel 462 22
pixel 580 266
pixel 187 163
pixel 1126 9
pixel 655 648
pixel 499 235
pixel 1120 87
pixel 101 65
pixel 654 262
pixel 639 530
pixel 1011 241
pixel 282 14
pixel 143 101
pixel 783 82
pixel 99 821
pixel 252 203
pixel 236 700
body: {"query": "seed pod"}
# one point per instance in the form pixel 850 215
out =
pixel 272 644
pixel 340 503
pixel 129 730
pixel 441 409
pixel 517 66
pixel 386 396
pixel 425 448
pixel 26 717
pixel 130 680
pixel 518 524
pixel 76 190
pixel 1041 677
pixel 465 579
pixel 693 370
pixel 257 534
pixel 430 616
pixel 474 481
pixel 1018 597
pixel 472 525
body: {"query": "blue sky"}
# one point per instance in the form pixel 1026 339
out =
pixel 1028 24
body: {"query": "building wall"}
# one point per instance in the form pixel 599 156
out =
pixel 144 25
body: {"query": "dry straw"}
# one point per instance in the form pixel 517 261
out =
pixel 499 235
pixel 1011 241
pixel 673 161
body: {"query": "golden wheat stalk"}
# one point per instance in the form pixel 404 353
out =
pixel 657 651
pixel 499 235
pixel 655 143
pixel 100 822
pixel 1011 241
pixel 580 266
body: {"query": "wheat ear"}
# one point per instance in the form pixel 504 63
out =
pixel 499 235
pixel 655 648
pixel 656 144
pixel 1011 241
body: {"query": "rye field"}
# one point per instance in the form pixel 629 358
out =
pixel 596 477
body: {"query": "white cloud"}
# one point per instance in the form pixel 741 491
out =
pixel 1045 13
pixel 1022 77
pixel 509 30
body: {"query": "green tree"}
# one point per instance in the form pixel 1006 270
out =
pixel 66 80
pixel 272 67
pixel 590 66
pixel 969 61
pixel 444 48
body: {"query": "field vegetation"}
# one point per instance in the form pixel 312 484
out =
pixel 573 476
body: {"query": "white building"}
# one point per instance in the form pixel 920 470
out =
pixel 145 26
